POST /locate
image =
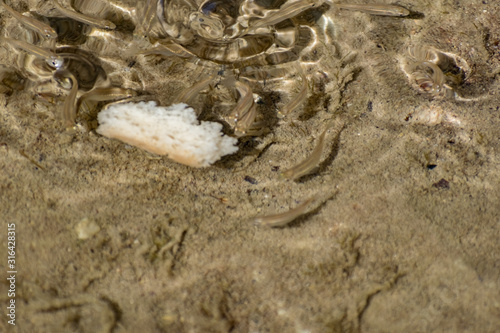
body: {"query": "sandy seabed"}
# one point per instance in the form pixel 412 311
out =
pixel 404 235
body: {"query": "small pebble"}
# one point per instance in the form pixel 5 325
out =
pixel 86 228
pixel 442 184
pixel 251 180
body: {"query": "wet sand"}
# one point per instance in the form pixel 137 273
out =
pixel 403 236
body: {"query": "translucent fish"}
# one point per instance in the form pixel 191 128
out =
pixel 376 9
pixel 92 21
pixel 297 100
pixel 52 59
pixel 69 106
pixel 188 94
pixel 288 11
pixel 105 94
pixel 31 23
pixel 307 165
pixel 244 124
pixel 282 219
pixel 244 103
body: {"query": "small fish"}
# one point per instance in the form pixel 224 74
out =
pixel 244 123
pixel 79 58
pixel 92 21
pixel 69 106
pixel 52 58
pixel 245 111
pixel 376 9
pixel 307 165
pixel 244 103
pixel 282 219
pixel 105 94
pixel 30 48
pixel 297 100
pixel 33 24
pixel 188 94
pixel 282 14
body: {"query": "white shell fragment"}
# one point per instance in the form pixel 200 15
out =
pixel 86 228
pixel 174 131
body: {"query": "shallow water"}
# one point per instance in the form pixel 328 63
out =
pixel 403 235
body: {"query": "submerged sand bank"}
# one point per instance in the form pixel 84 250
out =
pixel 404 237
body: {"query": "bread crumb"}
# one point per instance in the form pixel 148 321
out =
pixel 173 131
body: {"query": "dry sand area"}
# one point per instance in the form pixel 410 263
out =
pixel 403 236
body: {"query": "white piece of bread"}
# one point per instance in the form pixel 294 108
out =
pixel 173 131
